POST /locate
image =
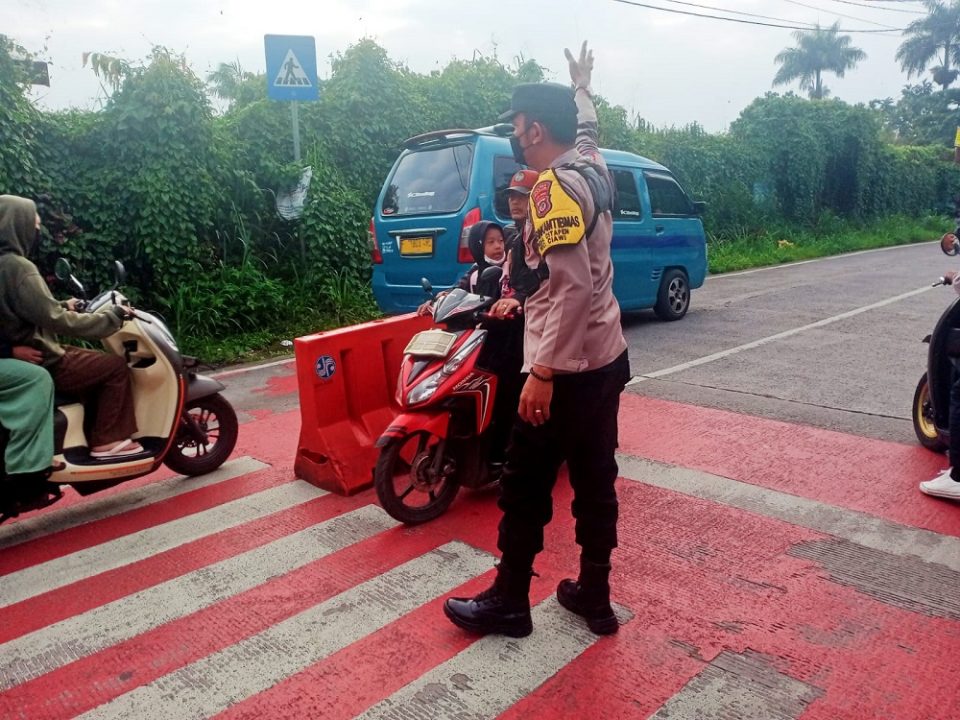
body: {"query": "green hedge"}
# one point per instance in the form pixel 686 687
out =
pixel 186 197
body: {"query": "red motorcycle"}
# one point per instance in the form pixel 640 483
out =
pixel 441 439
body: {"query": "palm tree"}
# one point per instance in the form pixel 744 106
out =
pixel 818 51
pixel 935 37
pixel 227 80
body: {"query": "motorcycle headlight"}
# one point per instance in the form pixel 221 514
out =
pixel 425 389
pixel 459 357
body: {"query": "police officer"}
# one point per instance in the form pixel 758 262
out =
pixel 576 360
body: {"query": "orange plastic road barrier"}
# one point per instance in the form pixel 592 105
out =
pixel 347 379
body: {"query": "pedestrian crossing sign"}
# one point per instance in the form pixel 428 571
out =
pixel 291 67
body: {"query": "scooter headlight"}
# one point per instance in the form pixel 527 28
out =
pixel 461 355
pixel 425 389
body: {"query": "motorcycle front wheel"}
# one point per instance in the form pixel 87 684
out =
pixel 415 479
pixel 924 424
pixel 206 435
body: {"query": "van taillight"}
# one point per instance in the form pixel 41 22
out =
pixel 375 255
pixel 463 250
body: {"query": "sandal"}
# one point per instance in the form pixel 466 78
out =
pixel 123 448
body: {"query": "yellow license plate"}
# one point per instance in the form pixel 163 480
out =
pixel 416 246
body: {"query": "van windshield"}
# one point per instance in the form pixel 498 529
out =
pixel 430 181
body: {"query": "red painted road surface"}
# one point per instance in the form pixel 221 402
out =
pixel 254 595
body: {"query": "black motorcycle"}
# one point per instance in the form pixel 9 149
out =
pixel 931 401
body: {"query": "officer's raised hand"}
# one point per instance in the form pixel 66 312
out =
pixel 580 69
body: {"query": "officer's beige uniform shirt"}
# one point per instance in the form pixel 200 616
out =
pixel 573 320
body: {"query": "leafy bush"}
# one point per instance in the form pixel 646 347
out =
pixel 186 197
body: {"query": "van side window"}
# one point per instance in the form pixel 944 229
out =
pixel 666 195
pixel 627 204
pixel 504 168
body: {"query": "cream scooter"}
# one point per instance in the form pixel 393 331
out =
pixel 182 420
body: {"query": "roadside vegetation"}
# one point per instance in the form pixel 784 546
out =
pixel 771 246
pixel 178 176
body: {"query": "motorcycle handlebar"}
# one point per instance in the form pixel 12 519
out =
pixel 495 318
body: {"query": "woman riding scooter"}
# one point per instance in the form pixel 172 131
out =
pixel 29 315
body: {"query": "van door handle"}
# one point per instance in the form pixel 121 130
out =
pixel 659 229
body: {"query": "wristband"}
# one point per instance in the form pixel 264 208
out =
pixel 541 378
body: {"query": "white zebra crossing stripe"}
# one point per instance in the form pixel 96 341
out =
pixel 42 651
pixel 121 502
pixel 211 685
pixel 62 571
pixel 493 673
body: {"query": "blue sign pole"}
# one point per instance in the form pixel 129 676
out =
pixel 291 74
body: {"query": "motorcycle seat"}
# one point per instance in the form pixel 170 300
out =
pixel 62 398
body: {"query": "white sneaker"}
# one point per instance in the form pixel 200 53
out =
pixel 942 486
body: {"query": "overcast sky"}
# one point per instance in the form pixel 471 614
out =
pixel 668 68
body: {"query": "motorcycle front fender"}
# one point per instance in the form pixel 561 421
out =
pixel 435 422
pixel 201 386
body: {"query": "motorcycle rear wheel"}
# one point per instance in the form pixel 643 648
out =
pixel 924 424
pixel 408 484
pixel 218 422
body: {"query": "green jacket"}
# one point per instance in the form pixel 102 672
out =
pixel 29 314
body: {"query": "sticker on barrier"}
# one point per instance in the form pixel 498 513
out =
pixel 326 367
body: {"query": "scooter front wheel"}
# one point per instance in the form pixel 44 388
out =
pixel 206 436
pixel 415 478
pixel 924 424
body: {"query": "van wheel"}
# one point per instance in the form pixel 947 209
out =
pixel 673 297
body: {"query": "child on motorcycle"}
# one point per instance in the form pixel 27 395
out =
pixel 488 247
pixel 502 352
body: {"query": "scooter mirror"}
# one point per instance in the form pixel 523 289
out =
pixel 62 269
pixel 119 273
pixel 427 287
pixel 489 284
pixel 64 273
pixel 950 244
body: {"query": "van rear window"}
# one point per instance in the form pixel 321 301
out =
pixel 430 181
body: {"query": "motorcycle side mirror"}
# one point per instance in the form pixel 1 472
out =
pixel 119 273
pixel 950 244
pixel 64 273
pixel 427 287
pixel 490 281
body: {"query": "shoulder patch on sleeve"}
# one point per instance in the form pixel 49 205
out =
pixel 557 217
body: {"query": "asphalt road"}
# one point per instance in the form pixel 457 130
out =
pixel 832 343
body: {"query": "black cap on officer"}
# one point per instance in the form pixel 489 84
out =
pixel 550 104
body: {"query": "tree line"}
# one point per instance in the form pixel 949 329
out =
pixel 186 196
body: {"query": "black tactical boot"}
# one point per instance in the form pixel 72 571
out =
pixel 502 609
pixel 589 597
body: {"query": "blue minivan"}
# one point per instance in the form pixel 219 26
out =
pixel 445 181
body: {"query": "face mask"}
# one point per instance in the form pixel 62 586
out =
pixel 517 148
pixel 497 263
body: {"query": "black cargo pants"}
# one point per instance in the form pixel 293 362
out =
pixel 582 431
